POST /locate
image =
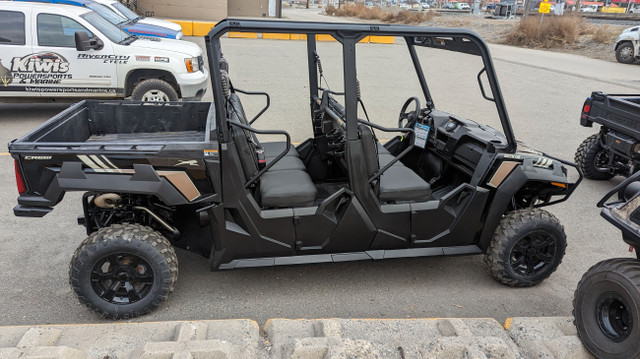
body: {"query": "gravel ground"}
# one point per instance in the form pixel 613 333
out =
pixel 495 31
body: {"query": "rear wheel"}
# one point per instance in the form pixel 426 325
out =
pixel 123 271
pixel 593 159
pixel 606 307
pixel 154 90
pixel 624 53
pixel 526 248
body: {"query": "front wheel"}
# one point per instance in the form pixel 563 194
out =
pixel 606 307
pixel 526 248
pixel 593 159
pixel 154 90
pixel 624 53
pixel 123 271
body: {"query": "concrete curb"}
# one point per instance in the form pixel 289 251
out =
pixel 201 28
pixel 553 337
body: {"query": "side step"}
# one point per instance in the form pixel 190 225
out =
pixel 347 257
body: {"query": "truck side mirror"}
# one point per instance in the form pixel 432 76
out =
pixel 84 43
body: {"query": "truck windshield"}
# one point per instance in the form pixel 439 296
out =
pixel 112 32
pixel 106 13
pixel 126 11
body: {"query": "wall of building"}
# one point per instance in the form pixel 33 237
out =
pixel 253 8
pixel 208 10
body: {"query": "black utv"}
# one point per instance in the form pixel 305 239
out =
pixel 615 149
pixel 197 176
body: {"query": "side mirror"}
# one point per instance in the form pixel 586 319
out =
pixel 84 43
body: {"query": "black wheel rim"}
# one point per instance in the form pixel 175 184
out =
pixel 533 253
pixel 601 161
pixel 122 278
pixel 614 317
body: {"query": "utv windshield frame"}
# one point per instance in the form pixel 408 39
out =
pixel 349 34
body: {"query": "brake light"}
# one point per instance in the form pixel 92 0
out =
pixel 19 180
pixel 587 106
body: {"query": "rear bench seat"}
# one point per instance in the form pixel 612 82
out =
pixel 286 184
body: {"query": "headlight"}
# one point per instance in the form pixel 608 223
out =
pixel 192 64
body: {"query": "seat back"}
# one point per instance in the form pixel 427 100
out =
pixel 242 139
pixel 245 148
pixel 370 148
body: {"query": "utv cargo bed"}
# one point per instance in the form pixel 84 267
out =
pixel 121 122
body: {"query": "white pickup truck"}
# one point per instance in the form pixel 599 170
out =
pixel 61 52
pixel 627 45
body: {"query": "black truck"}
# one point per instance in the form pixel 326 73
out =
pixel 615 150
pixel 196 176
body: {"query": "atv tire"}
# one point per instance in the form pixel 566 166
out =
pixel 606 308
pixel 589 158
pixel 154 90
pixel 123 271
pixel 526 248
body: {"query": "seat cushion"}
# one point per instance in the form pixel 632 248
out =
pixel 382 149
pixel 400 183
pixel 286 163
pixel 287 188
pixel 385 158
pixel 273 149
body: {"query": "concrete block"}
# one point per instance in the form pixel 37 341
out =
pixel 381 39
pixel 549 337
pixel 393 338
pixel 276 36
pixel 243 35
pixel 468 348
pixel 54 353
pixel 324 37
pixel 215 340
pixel 39 337
pixel 524 338
pixel 306 348
pixel 201 28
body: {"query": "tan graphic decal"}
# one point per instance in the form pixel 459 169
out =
pixel 503 171
pixel 182 182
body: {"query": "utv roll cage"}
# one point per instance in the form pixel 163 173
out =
pixel 458 40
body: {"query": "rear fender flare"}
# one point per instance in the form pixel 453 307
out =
pixel 144 181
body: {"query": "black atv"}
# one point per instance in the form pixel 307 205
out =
pixel 197 176
pixel 615 150
pixel 606 303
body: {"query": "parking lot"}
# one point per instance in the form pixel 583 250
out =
pixel 544 93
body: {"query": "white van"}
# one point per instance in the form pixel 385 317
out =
pixel 123 10
pixel 69 52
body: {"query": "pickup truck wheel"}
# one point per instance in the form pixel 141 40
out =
pixel 526 248
pixel 123 271
pixel 624 53
pixel 606 308
pixel 593 159
pixel 154 90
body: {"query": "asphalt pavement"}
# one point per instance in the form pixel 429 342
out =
pixel 544 101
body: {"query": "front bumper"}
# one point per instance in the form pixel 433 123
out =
pixel 193 85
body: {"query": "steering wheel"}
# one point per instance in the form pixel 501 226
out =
pixel 412 116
